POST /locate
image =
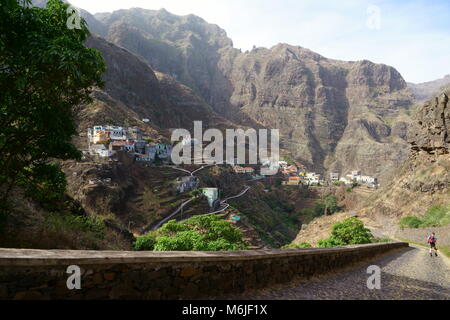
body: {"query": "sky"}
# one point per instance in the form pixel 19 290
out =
pixel 411 35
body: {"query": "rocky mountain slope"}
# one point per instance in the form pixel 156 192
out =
pixel 424 179
pixel 333 115
pixel 133 91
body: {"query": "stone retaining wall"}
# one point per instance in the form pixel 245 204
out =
pixel 39 274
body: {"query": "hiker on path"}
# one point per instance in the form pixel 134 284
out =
pixel 432 240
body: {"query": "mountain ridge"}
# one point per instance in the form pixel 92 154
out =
pixel 315 107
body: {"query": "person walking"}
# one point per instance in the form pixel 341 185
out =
pixel 432 240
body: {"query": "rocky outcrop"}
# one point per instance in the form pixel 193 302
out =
pixel 432 134
pixel 424 179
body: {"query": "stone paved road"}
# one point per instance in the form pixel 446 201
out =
pixel 407 274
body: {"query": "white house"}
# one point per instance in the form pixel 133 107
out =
pixel 334 176
pixel 117 133
pixel 312 178
pixel 100 150
pixel 356 176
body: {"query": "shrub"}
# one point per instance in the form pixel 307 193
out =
pixel 303 245
pixel 328 205
pixel 196 193
pixel 66 223
pixel 145 243
pixel 330 243
pixel 200 233
pixel 348 232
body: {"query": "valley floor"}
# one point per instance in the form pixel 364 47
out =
pixel 409 274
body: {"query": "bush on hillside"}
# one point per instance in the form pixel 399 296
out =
pixel 303 245
pixel 328 205
pixel 201 233
pixel 348 232
pixel 436 216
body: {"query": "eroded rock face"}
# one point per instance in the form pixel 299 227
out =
pixel 433 126
pixel 423 180
pixel 333 115
pixel 133 91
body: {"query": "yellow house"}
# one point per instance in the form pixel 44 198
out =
pixel 100 136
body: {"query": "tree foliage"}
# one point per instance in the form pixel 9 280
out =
pixel 45 72
pixel 201 233
pixel 328 206
pixel 348 232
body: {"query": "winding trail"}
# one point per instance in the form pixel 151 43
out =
pixel 223 204
pixel 163 221
pixel 409 274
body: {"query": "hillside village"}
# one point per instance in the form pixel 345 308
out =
pixel 105 141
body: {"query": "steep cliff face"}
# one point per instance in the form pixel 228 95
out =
pixel 333 115
pixel 185 47
pixel 424 179
pixel 133 91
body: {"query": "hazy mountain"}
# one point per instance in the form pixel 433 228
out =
pixel 424 91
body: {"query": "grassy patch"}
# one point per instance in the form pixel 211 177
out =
pixel 436 216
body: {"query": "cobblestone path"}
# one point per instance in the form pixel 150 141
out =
pixel 408 274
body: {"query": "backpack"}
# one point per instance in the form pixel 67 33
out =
pixel 431 239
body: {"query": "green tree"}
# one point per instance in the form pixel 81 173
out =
pixel 201 233
pixel 328 206
pixel 348 232
pixel 45 72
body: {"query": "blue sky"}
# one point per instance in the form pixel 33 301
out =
pixel 413 36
